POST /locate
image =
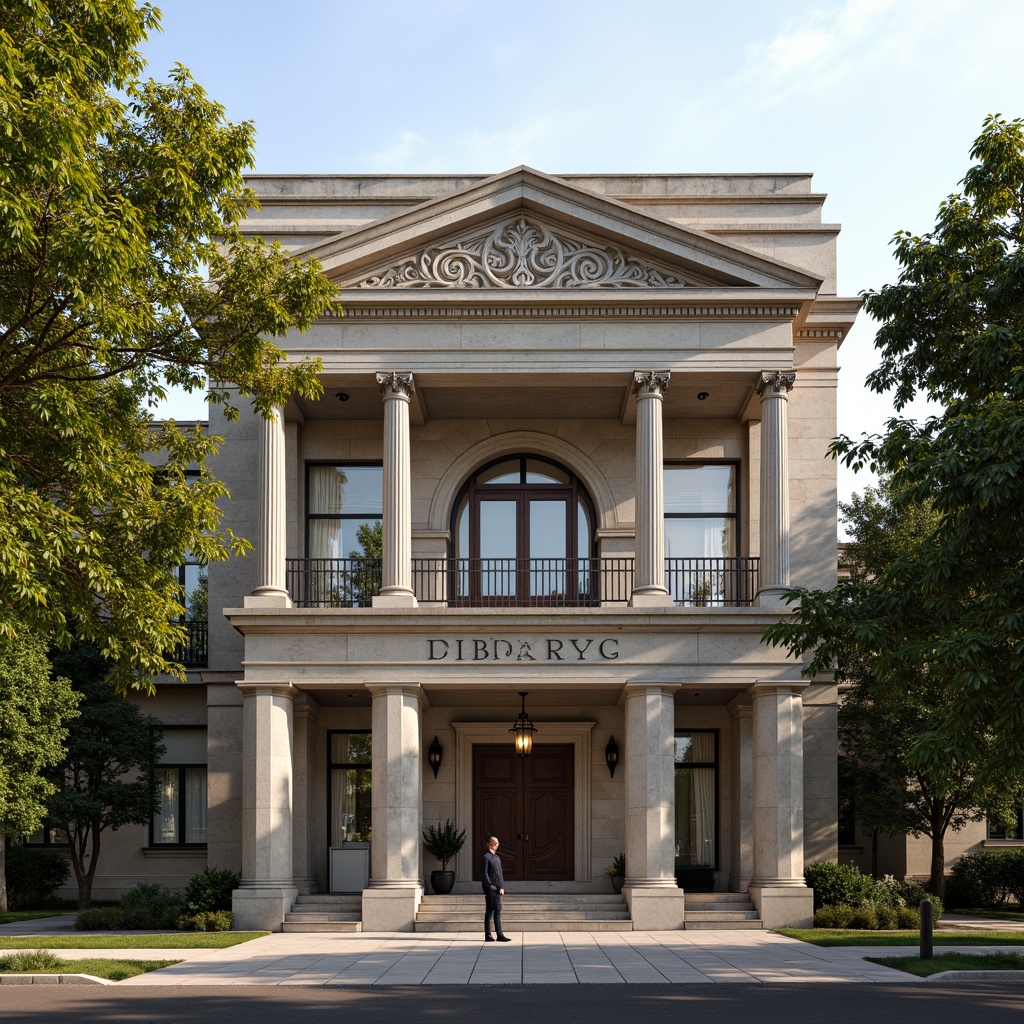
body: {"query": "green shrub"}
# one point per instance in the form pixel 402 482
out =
pixel 836 916
pixel 908 917
pixel 210 890
pixel 150 905
pixel 1015 875
pixel 887 916
pixel 865 917
pixel 837 883
pixel 886 892
pixel 980 880
pixel 207 921
pixel 33 877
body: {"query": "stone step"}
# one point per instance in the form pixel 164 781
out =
pixel 328 899
pixel 698 916
pixel 709 926
pixel 527 925
pixel 538 915
pixel 715 899
pixel 322 926
pixel 314 917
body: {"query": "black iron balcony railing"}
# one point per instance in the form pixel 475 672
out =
pixel 521 582
pixel 194 652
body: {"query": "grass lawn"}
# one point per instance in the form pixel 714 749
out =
pixel 118 940
pixel 854 937
pixel 43 962
pixel 952 962
pixel 13 916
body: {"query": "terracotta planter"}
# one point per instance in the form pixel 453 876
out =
pixel 442 882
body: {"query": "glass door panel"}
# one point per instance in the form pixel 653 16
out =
pixel 497 542
pixel 548 551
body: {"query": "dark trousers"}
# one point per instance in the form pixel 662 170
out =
pixel 493 908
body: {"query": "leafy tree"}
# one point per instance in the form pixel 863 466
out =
pixel 953 331
pixel 883 713
pixel 120 200
pixel 106 779
pixel 34 711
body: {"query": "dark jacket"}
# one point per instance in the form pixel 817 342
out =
pixel 491 877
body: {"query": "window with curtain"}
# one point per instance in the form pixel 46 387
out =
pixel 181 780
pixel 344 505
pixel 696 770
pixel 351 777
pixel 1012 831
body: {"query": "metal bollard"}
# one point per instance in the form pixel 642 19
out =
pixel 926 929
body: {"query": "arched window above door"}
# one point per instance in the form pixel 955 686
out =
pixel 523 534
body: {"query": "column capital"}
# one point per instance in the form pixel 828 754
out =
pixel 647 383
pixel 267 690
pixel 768 689
pixel 775 383
pixel 392 385
pixel 394 689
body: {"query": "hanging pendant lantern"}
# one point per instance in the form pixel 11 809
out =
pixel 523 729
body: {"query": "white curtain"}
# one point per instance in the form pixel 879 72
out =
pixel 165 823
pixel 703 749
pixel 326 497
pixel 338 802
pixel 195 805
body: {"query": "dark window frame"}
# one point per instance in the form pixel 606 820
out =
pixel 355 464
pixel 180 844
pixel 332 765
pixel 715 765
pixel 737 493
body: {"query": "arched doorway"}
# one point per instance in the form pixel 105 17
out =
pixel 523 535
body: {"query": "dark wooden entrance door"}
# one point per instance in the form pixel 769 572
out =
pixel 527 803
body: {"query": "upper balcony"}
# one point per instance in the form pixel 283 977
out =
pixel 522 582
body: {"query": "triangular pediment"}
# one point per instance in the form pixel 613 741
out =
pixel 523 230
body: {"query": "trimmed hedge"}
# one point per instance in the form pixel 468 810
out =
pixel 210 890
pixel 987 879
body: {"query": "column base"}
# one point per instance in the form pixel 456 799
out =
pixel 395 599
pixel 788 906
pixel 655 909
pixel 653 598
pixel 269 599
pixel 261 908
pixel 391 909
pixel 771 597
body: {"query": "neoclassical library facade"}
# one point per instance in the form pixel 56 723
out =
pixel 571 450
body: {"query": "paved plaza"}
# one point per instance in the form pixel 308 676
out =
pixel 532 958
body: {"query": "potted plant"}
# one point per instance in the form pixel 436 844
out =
pixel 617 873
pixel 443 842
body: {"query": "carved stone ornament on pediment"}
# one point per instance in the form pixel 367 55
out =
pixel 521 253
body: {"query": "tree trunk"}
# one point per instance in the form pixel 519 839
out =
pixel 85 882
pixel 937 880
pixel 3 874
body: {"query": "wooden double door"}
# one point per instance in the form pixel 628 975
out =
pixel 527 802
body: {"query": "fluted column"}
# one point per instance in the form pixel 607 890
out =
pixel 396 804
pixel 267 888
pixel 774 388
pixel 778 756
pixel 271 537
pixel 655 902
pixel 396 572
pixel 649 572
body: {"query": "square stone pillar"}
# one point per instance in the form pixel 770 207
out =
pixel 655 901
pixel 304 816
pixel 741 854
pixel 777 888
pixel 267 890
pixel 395 891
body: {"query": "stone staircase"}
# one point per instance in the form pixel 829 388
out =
pixel 321 912
pixel 719 911
pixel 525 912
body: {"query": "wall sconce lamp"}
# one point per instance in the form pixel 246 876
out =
pixel 523 729
pixel 435 754
pixel 611 756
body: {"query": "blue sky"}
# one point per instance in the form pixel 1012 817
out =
pixel 881 99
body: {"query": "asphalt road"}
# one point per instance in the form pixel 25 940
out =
pixel 930 1003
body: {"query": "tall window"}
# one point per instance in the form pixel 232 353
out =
pixel 351 783
pixel 700 534
pixel 523 534
pixel 344 506
pixel 696 800
pixel 180 818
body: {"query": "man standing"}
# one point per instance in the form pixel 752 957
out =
pixel 493 882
